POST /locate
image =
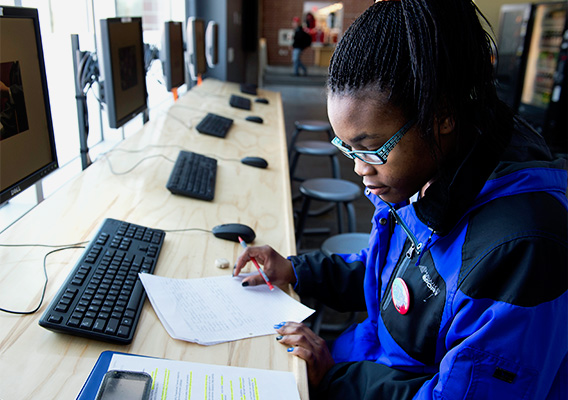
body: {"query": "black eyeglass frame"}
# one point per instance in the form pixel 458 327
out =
pixel 382 153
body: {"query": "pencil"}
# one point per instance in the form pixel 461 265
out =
pixel 260 271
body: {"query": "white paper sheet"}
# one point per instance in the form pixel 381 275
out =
pixel 214 310
pixel 176 380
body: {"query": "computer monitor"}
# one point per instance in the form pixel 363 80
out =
pixel 172 54
pixel 197 61
pixel 27 144
pixel 212 44
pixel 124 73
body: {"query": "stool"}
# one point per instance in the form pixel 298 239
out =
pixel 315 148
pixel 339 191
pixel 344 243
pixel 310 126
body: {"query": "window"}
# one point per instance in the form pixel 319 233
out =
pixel 59 19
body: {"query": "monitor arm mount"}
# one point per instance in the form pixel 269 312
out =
pixel 86 70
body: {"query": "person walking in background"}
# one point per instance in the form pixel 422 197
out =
pixel 302 40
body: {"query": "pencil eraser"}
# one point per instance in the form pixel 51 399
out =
pixel 222 263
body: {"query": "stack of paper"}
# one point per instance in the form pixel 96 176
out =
pixel 214 310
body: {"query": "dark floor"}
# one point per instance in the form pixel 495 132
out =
pixel 304 98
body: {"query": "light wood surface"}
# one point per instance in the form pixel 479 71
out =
pixel 36 363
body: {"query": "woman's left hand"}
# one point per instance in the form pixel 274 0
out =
pixel 304 343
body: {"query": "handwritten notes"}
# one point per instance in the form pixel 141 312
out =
pixel 218 309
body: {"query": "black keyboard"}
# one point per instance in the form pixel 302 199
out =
pixel 194 175
pixel 103 296
pixel 214 125
pixel 249 88
pixel 240 102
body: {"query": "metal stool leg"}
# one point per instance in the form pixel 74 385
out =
pixel 293 165
pixel 335 168
pixel 293 142
pixel 301 223
pixel 351 218
pixel 339 208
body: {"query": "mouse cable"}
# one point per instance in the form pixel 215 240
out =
pixel 137 164
pixel 44 272
pixel 44 245
pixel 223 158
pixel 105 156
pixel 143 149
pixel 186 230
pixel 170 146
pixel 181 121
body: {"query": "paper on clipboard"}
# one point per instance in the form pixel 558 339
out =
pixel 173 380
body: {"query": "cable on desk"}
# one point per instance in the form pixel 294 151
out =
pixel 186 230
pixel 181 121
pixel 44 272
pixel 141 150
pixel 105 155
pixel 137 164
pixel 72 245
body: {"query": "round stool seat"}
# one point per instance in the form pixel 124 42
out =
pixel 313 125
pixel 316 148
pixel 330 189
pixel 345 243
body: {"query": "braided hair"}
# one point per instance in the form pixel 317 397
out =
pixel 430 58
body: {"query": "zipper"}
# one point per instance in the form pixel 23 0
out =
pixel 403 266
pixel 414 250
pixel 415 244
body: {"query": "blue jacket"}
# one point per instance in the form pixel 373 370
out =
pixel 487 280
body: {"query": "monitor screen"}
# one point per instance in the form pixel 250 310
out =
pixel 124 73
pixel 196 47
pixel 27 145
pixel 172 54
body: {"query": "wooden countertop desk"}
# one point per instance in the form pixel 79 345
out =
pixel 36 363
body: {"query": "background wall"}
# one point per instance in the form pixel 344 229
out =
pixel 490 9
pixel 277 15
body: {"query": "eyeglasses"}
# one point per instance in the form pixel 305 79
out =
pixel 375 157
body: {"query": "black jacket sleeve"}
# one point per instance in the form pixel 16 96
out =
pixel 368 380
pixel 331 280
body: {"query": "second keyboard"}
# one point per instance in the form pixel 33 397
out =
pixel 194 175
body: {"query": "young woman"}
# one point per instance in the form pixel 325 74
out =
pixel 465 284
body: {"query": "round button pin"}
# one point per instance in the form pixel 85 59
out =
pixel 400 296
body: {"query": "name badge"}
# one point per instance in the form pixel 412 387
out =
pixel 400 296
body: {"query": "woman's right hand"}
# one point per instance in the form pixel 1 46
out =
pixel 278 269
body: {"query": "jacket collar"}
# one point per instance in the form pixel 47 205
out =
pixel 448 199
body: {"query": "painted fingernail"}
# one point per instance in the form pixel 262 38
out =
pixel 245 284
pixel 280 325
pixel 290 349
pixel 278 337
pixel 234 267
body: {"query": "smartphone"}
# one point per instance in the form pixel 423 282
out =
pixel 125 385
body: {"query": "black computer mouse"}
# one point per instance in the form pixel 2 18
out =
pixel 233 231
pixel 254 118
pixel 258 162
pixel 261 100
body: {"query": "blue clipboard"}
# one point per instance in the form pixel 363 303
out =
pixel 91 387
